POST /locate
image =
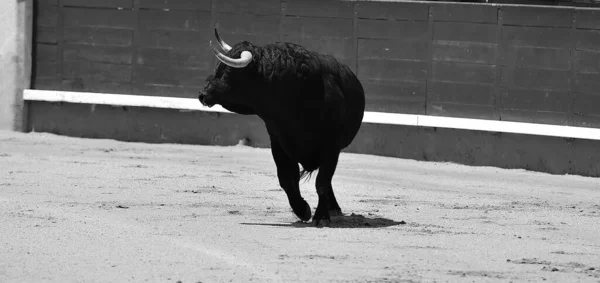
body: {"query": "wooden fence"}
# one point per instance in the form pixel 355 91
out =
pixel 499 62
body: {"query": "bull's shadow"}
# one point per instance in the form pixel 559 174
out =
pixel 344 221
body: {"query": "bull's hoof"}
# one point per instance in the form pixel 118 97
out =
pixel 321 218
pixel 303 211
pixel 320 223
pixel 335 212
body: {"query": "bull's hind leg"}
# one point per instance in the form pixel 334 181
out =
pixel 327 201
pixel 288 173
pixel 334 207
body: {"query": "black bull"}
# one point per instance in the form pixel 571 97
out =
pixel 311 104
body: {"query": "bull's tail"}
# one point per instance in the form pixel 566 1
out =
pixel 306 173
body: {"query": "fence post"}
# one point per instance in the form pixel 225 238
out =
pixel 16 19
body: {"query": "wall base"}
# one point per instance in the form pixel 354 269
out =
pixel 553 155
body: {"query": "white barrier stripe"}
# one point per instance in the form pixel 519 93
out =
pixel 369 117
pixel 119 100
pixel 509 127
pixel 390 118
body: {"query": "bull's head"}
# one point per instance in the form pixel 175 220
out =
pixel 232 83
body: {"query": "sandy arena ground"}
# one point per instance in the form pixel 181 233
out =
pixel 81 210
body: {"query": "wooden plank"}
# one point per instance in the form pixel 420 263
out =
pixel 537 101
pixel 457 110
pixel 98 36
pixel 587 40
pixel 588 121
pixel 498 77
pixel 573 62
pixel 46 83
pixel 257 39
pixel 525 99
pixel 587 19
pixel 394 105
pixel 537 36
pixel 128 4
pixel 392 11
pixel 530 116
pixel 135 42
pixel 445 12
pixel 256 7
pixel 45 69
pixel 586 105
pixel 340 48
pixel 196 57
pixel 471 32
pixel 167 90
pixel 248 24
pixel 174 20
pixel 169 75
pixel 349 62
pixel 190 5
pixel 468 52
pixel 354 57
pixel 392 49
pixel 536 79
pixel 429 78
pixel 332 27
pixel 174 39
pixel 537 16
pixel 406 30
pixel 95 86
pixel 460 93
pixel 87 72
pixel 46 52
pixel 463 72
pixel 46 16
pixel 392 70
pixel 99 18
pixel 45 35
pixel 394 97
pixel 318 8
pixel 587 83
pixel 46 2
pixel 98 53
pixel 60 26
pixel 535 57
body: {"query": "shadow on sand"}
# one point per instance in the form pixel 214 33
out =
pixel 344 221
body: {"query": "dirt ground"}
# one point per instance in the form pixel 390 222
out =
pixel 83 210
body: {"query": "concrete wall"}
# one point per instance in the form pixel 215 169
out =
pixel 499 62
pixel 15 59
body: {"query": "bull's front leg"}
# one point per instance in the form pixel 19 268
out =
pixel 288 173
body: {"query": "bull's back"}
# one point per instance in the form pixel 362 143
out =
pixel 333 72
pixel 300 82
pixel 354 97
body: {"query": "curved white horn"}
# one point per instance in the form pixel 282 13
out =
pixel 222 43
pixel 243 61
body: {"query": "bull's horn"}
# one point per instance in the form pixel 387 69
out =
pixel 243 61
pixel 222 43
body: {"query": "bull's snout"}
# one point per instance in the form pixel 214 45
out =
pixel 204 99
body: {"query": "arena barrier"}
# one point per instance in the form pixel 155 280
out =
pixel 369 117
